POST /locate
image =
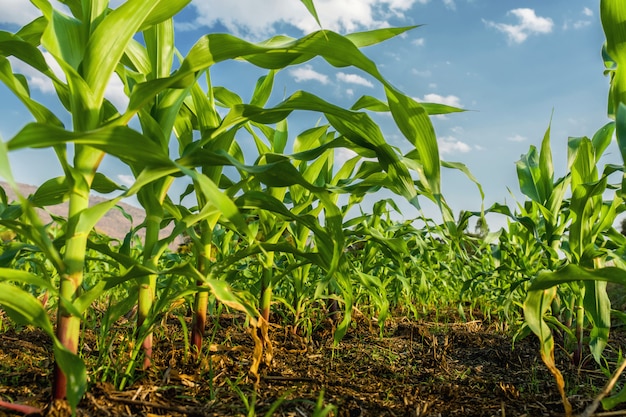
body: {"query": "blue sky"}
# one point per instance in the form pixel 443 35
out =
pixel 512 63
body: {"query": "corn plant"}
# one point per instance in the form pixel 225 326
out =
pixel 591 217
pixel 94 43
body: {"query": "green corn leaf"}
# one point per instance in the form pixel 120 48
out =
pixel 41 113
pixel 463 168
pixel 33 31
pixel 609 403
pixel 225 97
pixel 52 192
pixel 108 42
pixel 24 308
pixel 546 168
pixel 598 306
pixel 88 218
pixel 414 123
pixel 613 16
pixel 280 137
pixel 620 133
pixel 127 144
pixel 65 37
pixel 529 176
pixel 74 370
pixel 374 104
pixel 573 273
pixel 310 6
pixel 584 166
pixel 9 274
pixel 263 89
pixel 602 139
pixel 372 37
pixel 165 10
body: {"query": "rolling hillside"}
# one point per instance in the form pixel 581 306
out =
pixel 113 224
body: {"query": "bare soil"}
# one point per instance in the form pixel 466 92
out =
pixel 416 368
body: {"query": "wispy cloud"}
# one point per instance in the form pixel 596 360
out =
pixel 422 73
pixel 528 24
pixel 582 23
pixel 450 4
pixel 354 79
pixel 419 42
pixel 307 73
pixel 516 138
pixel 260 17
pixel 450 145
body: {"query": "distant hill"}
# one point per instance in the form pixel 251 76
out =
pixel 113 224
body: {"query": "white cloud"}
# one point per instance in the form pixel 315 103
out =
pixel 450 144
pixel 424 73
pixel 342 155
pixel 529 24
pixel 432 85
pixel 419 42
pixel 587 12
pixel 450 100
pixel 21 12
pixel 36 79
pixel 516 138
pixel 18 12
pixel 307 73
pixel 581 24
pixel 349 92
pixel 257 18
pixel 450 4
pixel 127 180
pixel 354 79
pixel 115 93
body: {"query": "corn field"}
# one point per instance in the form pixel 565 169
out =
pixel 269 245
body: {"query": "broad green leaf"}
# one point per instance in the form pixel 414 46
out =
pixel 598 306
pixel 573 273
pixel 413 121
pixel 108 42
pixel 225 97
pixel 75 371
pixel 529 176
pixel 52 192
pixel 602 139
pixel 280 137
pixel 546 168
pixel 263 89
pixel 20 89
pixel 372 37
pixel 374 104
pixel 613 16
pixel 620 133
pixel 310 6
pixel 24 308
pixel 122 142
pixel 463 168
pixel 9 274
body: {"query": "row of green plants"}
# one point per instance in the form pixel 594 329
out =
pixel 270 235
pixel 273 209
